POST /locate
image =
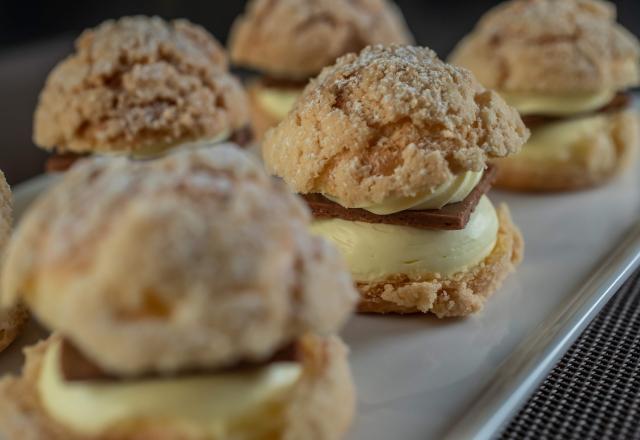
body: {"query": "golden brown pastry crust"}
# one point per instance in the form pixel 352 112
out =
pixel 297 38
pixel 198 259
pixel 551 46
pixel 601 158
pixel 137 83
pixel 459 295
pixel 12 319
pixel 388 122
pixel 321 406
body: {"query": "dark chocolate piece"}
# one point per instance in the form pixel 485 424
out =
pixel 75 366
pixel 242 137
pixel 450 217
pixel 60 162
pixel 534 121
pixel 621 101
pixel 283 83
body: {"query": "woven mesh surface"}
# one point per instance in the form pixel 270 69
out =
pixel 594 391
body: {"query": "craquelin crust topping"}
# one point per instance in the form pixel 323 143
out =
pixel 389 122
pixel 12 319
pixel 198 259
pixel 551 46
pixel 296 39
pixel 139 82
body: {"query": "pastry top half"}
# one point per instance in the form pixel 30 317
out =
pixel 551 46
pixel 390 122
pixel 195 260
pixel 12 319
pixel 297 38
pixel 5 212
pixel 139 84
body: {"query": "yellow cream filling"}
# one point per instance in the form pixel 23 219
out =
pixel 453 191
pixel 565 104
pixel 278 102
pixel 376 251
pixel 563 140
pixel 209 404
pixel 157 150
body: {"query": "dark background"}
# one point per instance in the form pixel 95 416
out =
pixel 34 35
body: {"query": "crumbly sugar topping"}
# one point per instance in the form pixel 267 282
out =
pixel 551 46
pixel 390 121
pixel 198 259
pixel 139 83
pixel 297 38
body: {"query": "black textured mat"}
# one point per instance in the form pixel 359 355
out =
pixel 594 391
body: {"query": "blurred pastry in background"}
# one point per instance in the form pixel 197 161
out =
pixel 390 149
pixel 188 301
pixel 12 318
pixel 567 67
pixel 290 41
pixel 138 86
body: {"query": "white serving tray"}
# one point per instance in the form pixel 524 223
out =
pixel 423 378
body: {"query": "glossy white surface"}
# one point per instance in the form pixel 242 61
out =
pixel 417 375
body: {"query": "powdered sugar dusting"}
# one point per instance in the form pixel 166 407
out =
pixel 297 38
pixel 139 82
pixel 195 259
pixel 374 122
pixel 551 46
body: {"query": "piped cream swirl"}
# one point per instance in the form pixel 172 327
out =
pixel 374 252
pixel 453 191
pixel 565 104
pixel 207 404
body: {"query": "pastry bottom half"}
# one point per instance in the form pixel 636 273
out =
pixel 460 294
pixel 320 406
pixel 598 159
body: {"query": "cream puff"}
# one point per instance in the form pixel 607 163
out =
pixel 188 301
pixel 290 41
pixel 390 148
pixel 13 318
pixel 138 86
pixel 567 67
